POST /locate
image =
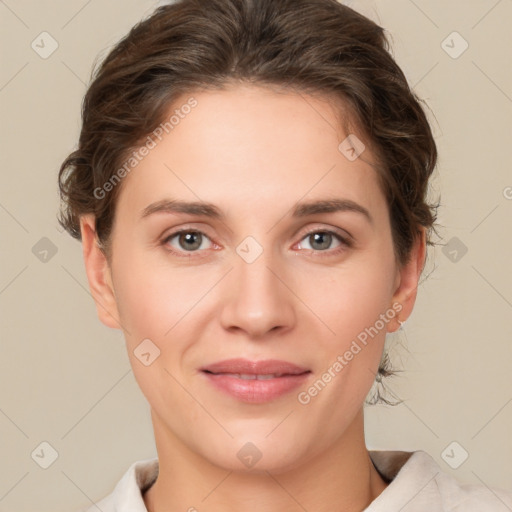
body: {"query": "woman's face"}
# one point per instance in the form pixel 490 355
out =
pixel 268 277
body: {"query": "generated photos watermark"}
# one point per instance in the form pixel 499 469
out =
pixel 361 341
pixel 152 141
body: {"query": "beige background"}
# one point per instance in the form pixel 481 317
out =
pixel 66 379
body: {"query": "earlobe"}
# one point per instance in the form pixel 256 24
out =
pixel 98 274
pixel 408 278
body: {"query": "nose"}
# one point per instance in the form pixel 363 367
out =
pixel 258 299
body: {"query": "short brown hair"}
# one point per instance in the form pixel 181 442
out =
pixel 311 46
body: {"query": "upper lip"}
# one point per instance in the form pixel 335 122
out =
pixel 246 367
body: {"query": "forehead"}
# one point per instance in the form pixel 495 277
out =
pixel 249 145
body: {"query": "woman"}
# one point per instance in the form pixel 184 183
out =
pixel 250 192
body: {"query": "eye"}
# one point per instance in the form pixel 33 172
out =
pixel 322 240
pixel 186 240
pixel 192 241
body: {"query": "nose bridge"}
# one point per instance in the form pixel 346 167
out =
pixel 259 301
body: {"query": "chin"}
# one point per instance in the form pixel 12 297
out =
pixel 257 455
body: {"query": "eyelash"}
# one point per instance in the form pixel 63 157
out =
pixel 345 242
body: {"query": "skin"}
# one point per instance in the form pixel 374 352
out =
pixel 254 153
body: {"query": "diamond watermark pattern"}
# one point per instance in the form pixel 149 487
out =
pixel 454 455
pixel 249 455
pixel 44 455
pixel 454 45
pixel 454 249
pixel 351 147
pixel 249 249
pixel 44 45
pixel 44 250
pixel 146 352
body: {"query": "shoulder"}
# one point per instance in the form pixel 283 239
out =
pixel 459 497
pixel 418 484
pixel 127 494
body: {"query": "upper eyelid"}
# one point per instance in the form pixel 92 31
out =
pixel 342 233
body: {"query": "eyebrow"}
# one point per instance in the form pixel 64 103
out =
pixel 304 209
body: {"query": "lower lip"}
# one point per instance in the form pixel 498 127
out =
pixel 256 391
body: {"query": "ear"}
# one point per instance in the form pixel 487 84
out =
pixel 98 274
pixel 406 282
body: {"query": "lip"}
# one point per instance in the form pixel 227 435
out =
pixel 280 378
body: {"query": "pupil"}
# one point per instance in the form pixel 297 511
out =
pixel 320 236
pixel 189 237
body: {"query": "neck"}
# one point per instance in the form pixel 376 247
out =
pixel 343 474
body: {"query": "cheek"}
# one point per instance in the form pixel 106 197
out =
pixel 349 298
pixel 350 357
pixel 151 296
pixel 350 302
pixel 166 306
pixel 153 304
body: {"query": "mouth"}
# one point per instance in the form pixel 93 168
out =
pixel 255 381
pixel 249 376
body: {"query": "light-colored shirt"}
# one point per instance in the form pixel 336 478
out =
pixel 417 484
